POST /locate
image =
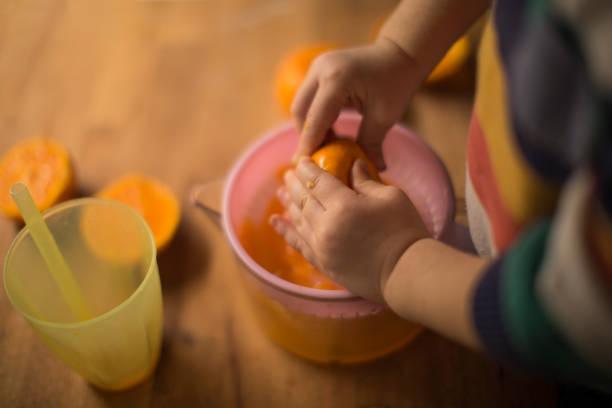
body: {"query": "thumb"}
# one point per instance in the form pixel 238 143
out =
pixel 362 181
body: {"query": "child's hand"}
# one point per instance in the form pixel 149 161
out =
pixel 378 80
pixel 353 236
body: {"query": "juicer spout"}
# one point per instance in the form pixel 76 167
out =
pixel 207 197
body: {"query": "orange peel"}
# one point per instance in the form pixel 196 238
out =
pixel 337 157
pixel 44 166
pixel 150 198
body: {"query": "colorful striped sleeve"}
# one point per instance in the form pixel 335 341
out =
pixel 540 307
pixel 540 169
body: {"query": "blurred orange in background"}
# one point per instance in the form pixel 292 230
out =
pixel 150 198
pixel 451 63
pixel 293 69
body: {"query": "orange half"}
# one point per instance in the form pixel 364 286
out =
pixel 150 198
pixel 43 165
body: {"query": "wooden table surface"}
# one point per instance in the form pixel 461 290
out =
pixel 177 89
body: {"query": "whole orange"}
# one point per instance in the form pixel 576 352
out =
pixel 293 69
pixel 337 157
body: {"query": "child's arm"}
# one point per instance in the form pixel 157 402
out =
pixel 433 284
pixel 425 29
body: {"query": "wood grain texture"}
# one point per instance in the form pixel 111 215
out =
pixel 177 89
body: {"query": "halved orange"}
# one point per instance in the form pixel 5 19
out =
pixel 292 71
pixel 152 199
pixel 43 165
pixel 337 157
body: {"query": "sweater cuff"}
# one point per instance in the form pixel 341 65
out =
pixel 489 320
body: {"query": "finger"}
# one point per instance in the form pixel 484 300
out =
pixel 362 180
pixel 299 195
pixel 288 231
pixel 324 187
pixel 296 218
pixel 299 222
pixel 295 215
pixel 321 115
pixel 303 99
pixel 371 135
pixel 283 196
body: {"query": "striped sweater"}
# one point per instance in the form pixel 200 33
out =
pixel 539 187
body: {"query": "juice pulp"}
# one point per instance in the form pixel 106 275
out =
pixel 271 251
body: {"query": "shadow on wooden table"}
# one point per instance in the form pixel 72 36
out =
pixel 434 371
pixel 430 372
pixel 185 258
pixel 191 359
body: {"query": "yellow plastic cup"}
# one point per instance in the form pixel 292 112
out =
pixel 111 253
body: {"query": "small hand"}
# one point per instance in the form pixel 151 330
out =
pixel 354 236
pixel 378 80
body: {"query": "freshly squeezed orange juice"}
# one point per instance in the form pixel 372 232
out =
pixel 271 251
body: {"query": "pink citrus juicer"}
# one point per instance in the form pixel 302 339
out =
pixel 327 325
